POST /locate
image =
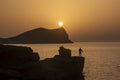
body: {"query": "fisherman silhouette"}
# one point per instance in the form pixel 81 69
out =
pixel 80 52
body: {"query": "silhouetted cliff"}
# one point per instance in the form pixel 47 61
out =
pixel 39 35
pixel 21 63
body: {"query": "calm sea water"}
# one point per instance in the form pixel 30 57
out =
pixel 102 58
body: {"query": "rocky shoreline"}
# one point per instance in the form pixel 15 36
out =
pixel 21 63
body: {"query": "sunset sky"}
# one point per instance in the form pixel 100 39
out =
pixel 92 20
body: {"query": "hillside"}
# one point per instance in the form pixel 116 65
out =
pixel 39 35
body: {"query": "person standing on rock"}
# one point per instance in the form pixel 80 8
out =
pixel 80 52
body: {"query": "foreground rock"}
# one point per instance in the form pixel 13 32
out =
pixel 20 63
pixel 39 35
pixel 60 68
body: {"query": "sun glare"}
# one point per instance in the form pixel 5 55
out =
pixel 60 24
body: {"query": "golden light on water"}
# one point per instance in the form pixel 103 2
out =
pixel 60 23
pixel 83 18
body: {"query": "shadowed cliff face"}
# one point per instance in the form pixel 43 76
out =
pixel 40 35
pixel 21 63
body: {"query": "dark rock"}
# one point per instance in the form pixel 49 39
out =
pixel 16 55
pixel 21 63
pixel 10 74
pixel 17 62
pixel 64 52
pixel 40 35
pixel 61 68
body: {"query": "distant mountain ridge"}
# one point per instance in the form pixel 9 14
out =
pixel 39 35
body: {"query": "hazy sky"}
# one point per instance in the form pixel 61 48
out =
pixel 83 19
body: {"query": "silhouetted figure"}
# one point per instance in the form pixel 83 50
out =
pixel 80 51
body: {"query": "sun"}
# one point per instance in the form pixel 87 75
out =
pixel 60 23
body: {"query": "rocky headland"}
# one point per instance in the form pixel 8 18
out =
pixel 39 36
pixel 21 63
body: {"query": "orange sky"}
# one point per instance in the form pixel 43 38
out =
pixel 83 19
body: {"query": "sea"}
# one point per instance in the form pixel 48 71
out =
pixel 102 59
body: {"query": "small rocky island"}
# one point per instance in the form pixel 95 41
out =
pixel 21 63
pixel 39 36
